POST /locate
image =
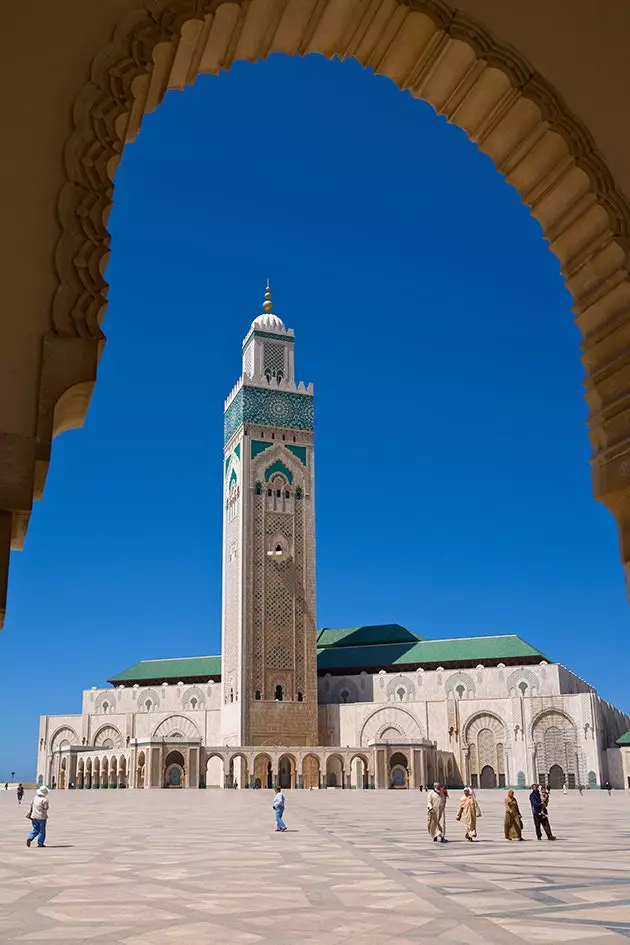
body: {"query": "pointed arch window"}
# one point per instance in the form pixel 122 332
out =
pixel 279 694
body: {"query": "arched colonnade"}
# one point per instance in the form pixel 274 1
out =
pixel 307 769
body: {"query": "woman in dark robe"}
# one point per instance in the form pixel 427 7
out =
pixel 513 823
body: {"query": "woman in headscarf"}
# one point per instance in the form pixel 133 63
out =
pixel 468 811
pixel 513 823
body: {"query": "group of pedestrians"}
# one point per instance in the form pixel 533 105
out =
pixel 469 811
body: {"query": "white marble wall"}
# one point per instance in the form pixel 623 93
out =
pixel 441 706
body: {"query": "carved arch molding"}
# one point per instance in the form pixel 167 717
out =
pixel 442 56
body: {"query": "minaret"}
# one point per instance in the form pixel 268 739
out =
pixel 269 672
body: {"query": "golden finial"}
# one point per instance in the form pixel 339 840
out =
pixel 267 304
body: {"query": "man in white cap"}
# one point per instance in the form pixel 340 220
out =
pixel 38 815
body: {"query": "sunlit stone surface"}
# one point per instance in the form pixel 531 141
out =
pixel 175 867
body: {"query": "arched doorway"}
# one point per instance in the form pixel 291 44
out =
pixel 335 771
pixel 122 772
pixel 215 777
pixel 556 777
pixel 488 777
pixel 140 770
pixel 310 772
pixel 263 771
pixel 62 774
pixel 359 777
pixel 399 771
pixel 174 770
pixel 239 772
pixel 287 770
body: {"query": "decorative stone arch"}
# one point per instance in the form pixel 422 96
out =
pixel 484 743
pixel 526 676
pixel 548 718
pixel 396 685
pixel 390 717
pixel 458 681
pixel 335 768
pixel 65 733
pixel 148 696
pixel 311 770
pixel 483 720
pixel 557 755
pixel 440 54
pixel 343 686
pixel 108 733
pixel 287 769
pixel 261 771
pixel 105 704
pixel 178 727
pixel 194 692
pixel 240 772
pixel 364 757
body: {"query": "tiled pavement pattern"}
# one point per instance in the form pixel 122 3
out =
pixel 153 867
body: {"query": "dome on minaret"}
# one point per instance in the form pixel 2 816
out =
pixel 267 321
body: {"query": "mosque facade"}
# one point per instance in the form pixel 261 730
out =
pixel 361 707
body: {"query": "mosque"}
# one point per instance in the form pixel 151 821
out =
pixel 358 707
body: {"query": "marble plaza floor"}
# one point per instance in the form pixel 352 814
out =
pixel 153 867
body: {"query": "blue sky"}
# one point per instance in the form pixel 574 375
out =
pixel 453 491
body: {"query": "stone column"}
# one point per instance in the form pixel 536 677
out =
pixel 348 784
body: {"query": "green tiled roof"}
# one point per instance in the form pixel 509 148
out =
pixel 624 740
pixel 470 650
pixel 355 648
pixel 385 633
pixel 184 667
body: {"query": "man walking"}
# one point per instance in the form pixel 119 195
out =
pixel 539 814
pixel 20 792
pixel 38 815
pixel 436 803
pixel 279 802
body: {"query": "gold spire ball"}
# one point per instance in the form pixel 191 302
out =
pixel 267 304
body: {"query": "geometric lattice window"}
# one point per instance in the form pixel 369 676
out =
pixel 273 359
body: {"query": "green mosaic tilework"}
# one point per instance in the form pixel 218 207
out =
pixel 259 446
pixel 237 450
pixel 278 467
pixel 279 336
pixel 233 478
pixel 299 451
pixel 269 407
pixel 227 464
pixel 624 740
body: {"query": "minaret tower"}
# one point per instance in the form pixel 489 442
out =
pixel 269 673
